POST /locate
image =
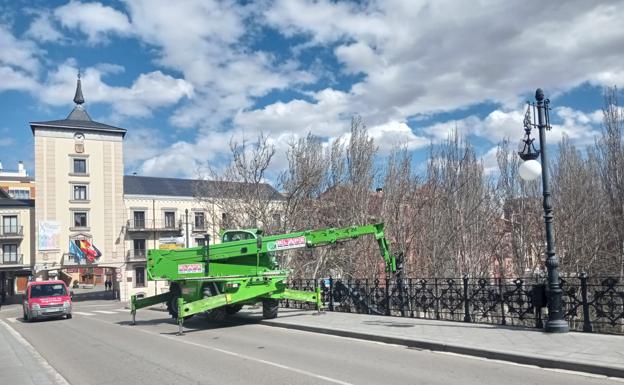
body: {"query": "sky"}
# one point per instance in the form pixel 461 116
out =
pixel 186 77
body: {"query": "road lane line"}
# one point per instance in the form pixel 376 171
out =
pixel 83 313
pixel 12 319
pixel 56 377
pixel 243 356
pixel 104 312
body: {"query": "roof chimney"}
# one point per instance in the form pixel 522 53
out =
pixel 20 168
pixel 0 166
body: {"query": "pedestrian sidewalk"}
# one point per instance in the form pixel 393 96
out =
pixel 20 363
pixel 584 352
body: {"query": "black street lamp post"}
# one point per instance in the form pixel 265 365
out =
pixel 186 226
pixel 530 169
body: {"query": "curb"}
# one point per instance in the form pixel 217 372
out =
pixel 605 370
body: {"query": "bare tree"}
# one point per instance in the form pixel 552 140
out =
pixel 611 155
pixel 238 196
pixel 522 215
pixel 400 203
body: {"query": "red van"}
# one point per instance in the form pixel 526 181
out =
pixel 47 299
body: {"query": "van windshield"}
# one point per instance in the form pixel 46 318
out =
pixel 47 290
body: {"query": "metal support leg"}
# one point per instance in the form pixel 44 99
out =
pixel 133 307
pixel 319 303
pixel 180 327
pixel 180 316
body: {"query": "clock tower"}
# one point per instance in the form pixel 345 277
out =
pixel 79 213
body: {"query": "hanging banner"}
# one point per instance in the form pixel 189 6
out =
pixel 171 243
pixel 48 235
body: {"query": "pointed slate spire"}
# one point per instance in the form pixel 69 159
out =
pixel 78 98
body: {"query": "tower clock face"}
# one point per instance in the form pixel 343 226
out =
pixel 79 142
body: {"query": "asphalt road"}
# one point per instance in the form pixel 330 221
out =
pixel 98 346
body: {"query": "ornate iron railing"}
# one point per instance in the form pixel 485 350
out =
pixel 591 304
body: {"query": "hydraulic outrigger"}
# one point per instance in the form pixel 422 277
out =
pixel 219 279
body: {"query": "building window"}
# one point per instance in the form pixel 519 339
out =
pixel 9 253
pixel 169 219
pixel 139 277
pixel 201 242
pixel 277 221
pixel 139 219
pixel 199 221
pixel 80 192
pixel 80 219
pixel 225 220
pixel 19 193
pixel 9 224
pixel 80 166
pixel 139 248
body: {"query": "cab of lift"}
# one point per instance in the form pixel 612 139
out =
pixel 240 235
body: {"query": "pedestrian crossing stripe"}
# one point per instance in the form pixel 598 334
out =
pixel 104 312
pixel 82 313
pixel 12 320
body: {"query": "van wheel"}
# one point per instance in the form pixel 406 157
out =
pixel 219 313
pixel 69 316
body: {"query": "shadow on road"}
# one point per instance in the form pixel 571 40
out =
pixel 196 323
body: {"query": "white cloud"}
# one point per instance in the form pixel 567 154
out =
pixel 205 40
pixel 490 162
pixel 93 19
pixel 16 80
pixel 423 57
pixel 149 91
pixel 412 58
pixel 42 28
pixel 21 55
pixel 392 134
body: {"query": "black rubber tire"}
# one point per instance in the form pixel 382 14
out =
pixel 69 316
pixel 172 304
pixel 270 308
pixel 26 317
pixel 233 309
pixel 218 314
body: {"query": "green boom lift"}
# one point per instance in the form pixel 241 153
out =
pixel 219 279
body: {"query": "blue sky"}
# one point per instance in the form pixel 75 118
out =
pixel 185 77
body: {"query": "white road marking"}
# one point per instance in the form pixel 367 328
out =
pixel 56 376
pixel 12 320
pixel 122 310
pixel 104 312
pixel 83 313
pixel 243 356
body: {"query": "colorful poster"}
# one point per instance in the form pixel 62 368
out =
pixel 48 235
pixel 171 243
pixel 190 268
pixel 288 243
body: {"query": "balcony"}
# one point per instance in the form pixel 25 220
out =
pixel 11 232
pixel 147 226
pixel 11 259
pixel 136 255
pixel 198 228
